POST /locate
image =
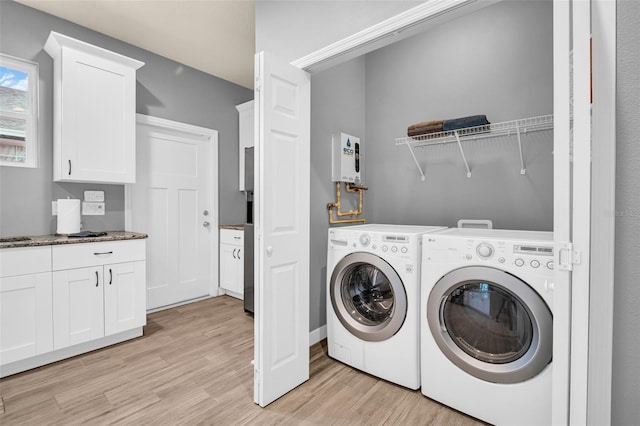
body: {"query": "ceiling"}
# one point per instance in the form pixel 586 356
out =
pixel 213 36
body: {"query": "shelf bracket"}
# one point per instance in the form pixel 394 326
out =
pixel 523 170
pixel 422 177
pixel 462 153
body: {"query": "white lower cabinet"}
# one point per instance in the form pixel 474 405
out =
pixel 25 303
pixel 102 299
pixel 125 305
pixel 78 306
pixel 232 262
pixel 89 303
pixel 62 300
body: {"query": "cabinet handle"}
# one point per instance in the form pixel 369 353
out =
pixel 104 252
pixel 69 167
pixel 110 276
pixel 234 253
pixel 238 253
pixel 97 279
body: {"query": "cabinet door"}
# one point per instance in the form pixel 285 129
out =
pixel 124 297
pixel 228 267
pixel 78 312
pixel 245 136
pixel 25 316
pixel 239 288
pixel 98 120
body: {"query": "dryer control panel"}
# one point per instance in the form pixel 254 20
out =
pixel 532 256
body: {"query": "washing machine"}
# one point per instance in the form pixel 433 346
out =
pixel 487 323
pixel 373 291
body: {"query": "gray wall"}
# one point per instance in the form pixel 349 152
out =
pixel 465 67
pixel 337 105
pixel 165 89
pixel 626 330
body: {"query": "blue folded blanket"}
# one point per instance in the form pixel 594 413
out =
pixel 463 122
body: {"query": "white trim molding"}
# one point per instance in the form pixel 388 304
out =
pixel 398 27
pixel 561 211
pixel 603 217
pixel 317 335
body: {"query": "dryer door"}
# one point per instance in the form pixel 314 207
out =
pixel 491 324
pixel 368 297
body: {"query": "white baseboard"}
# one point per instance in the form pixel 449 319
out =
pixel 317 335
pixel 175 305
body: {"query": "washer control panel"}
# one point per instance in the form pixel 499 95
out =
pixel 397 245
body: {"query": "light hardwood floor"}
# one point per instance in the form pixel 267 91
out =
pixel 193 366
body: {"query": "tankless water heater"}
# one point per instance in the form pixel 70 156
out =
pixel 345 160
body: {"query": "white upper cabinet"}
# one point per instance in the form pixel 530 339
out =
pixel 94 112
pixel 245 129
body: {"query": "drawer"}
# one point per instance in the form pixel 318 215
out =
pixel 231 236
pixel 93 254
pixel 25 260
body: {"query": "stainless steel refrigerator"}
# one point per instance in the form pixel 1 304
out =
pixel 248 230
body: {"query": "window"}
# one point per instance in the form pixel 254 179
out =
pixel 18 112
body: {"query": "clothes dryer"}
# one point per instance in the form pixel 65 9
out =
pixel 487 323
pixel 373 291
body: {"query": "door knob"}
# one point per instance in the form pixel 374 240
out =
pixel 205 224
pixel 269 250
pixel 206 212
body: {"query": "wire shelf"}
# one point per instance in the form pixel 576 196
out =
pixel 506 128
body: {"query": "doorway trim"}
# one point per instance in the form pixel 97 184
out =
pixel 593 404
pixel 211 136
pixel 603 214
pixel 398 27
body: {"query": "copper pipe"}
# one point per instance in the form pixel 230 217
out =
pixel 336 205
pixel 333 221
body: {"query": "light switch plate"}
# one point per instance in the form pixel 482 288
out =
pixel 92 209
pixel 94 196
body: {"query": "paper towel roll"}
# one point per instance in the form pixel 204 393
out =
pixel 68 216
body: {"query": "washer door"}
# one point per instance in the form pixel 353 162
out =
pixel 491 324
pixel 368 297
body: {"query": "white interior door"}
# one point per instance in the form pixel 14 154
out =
pixel 172 202
pixel 281 342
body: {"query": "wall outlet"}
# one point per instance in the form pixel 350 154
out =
pixel 94 196
pixel 54 208
pixel 92 209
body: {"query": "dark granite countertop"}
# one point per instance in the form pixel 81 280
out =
pixel 236 227
pixel 51 240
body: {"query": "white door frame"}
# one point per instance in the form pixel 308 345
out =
pixel 560 388
pixel 589 352
pixel 581 211
pixel 602 244
pixel 212 137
